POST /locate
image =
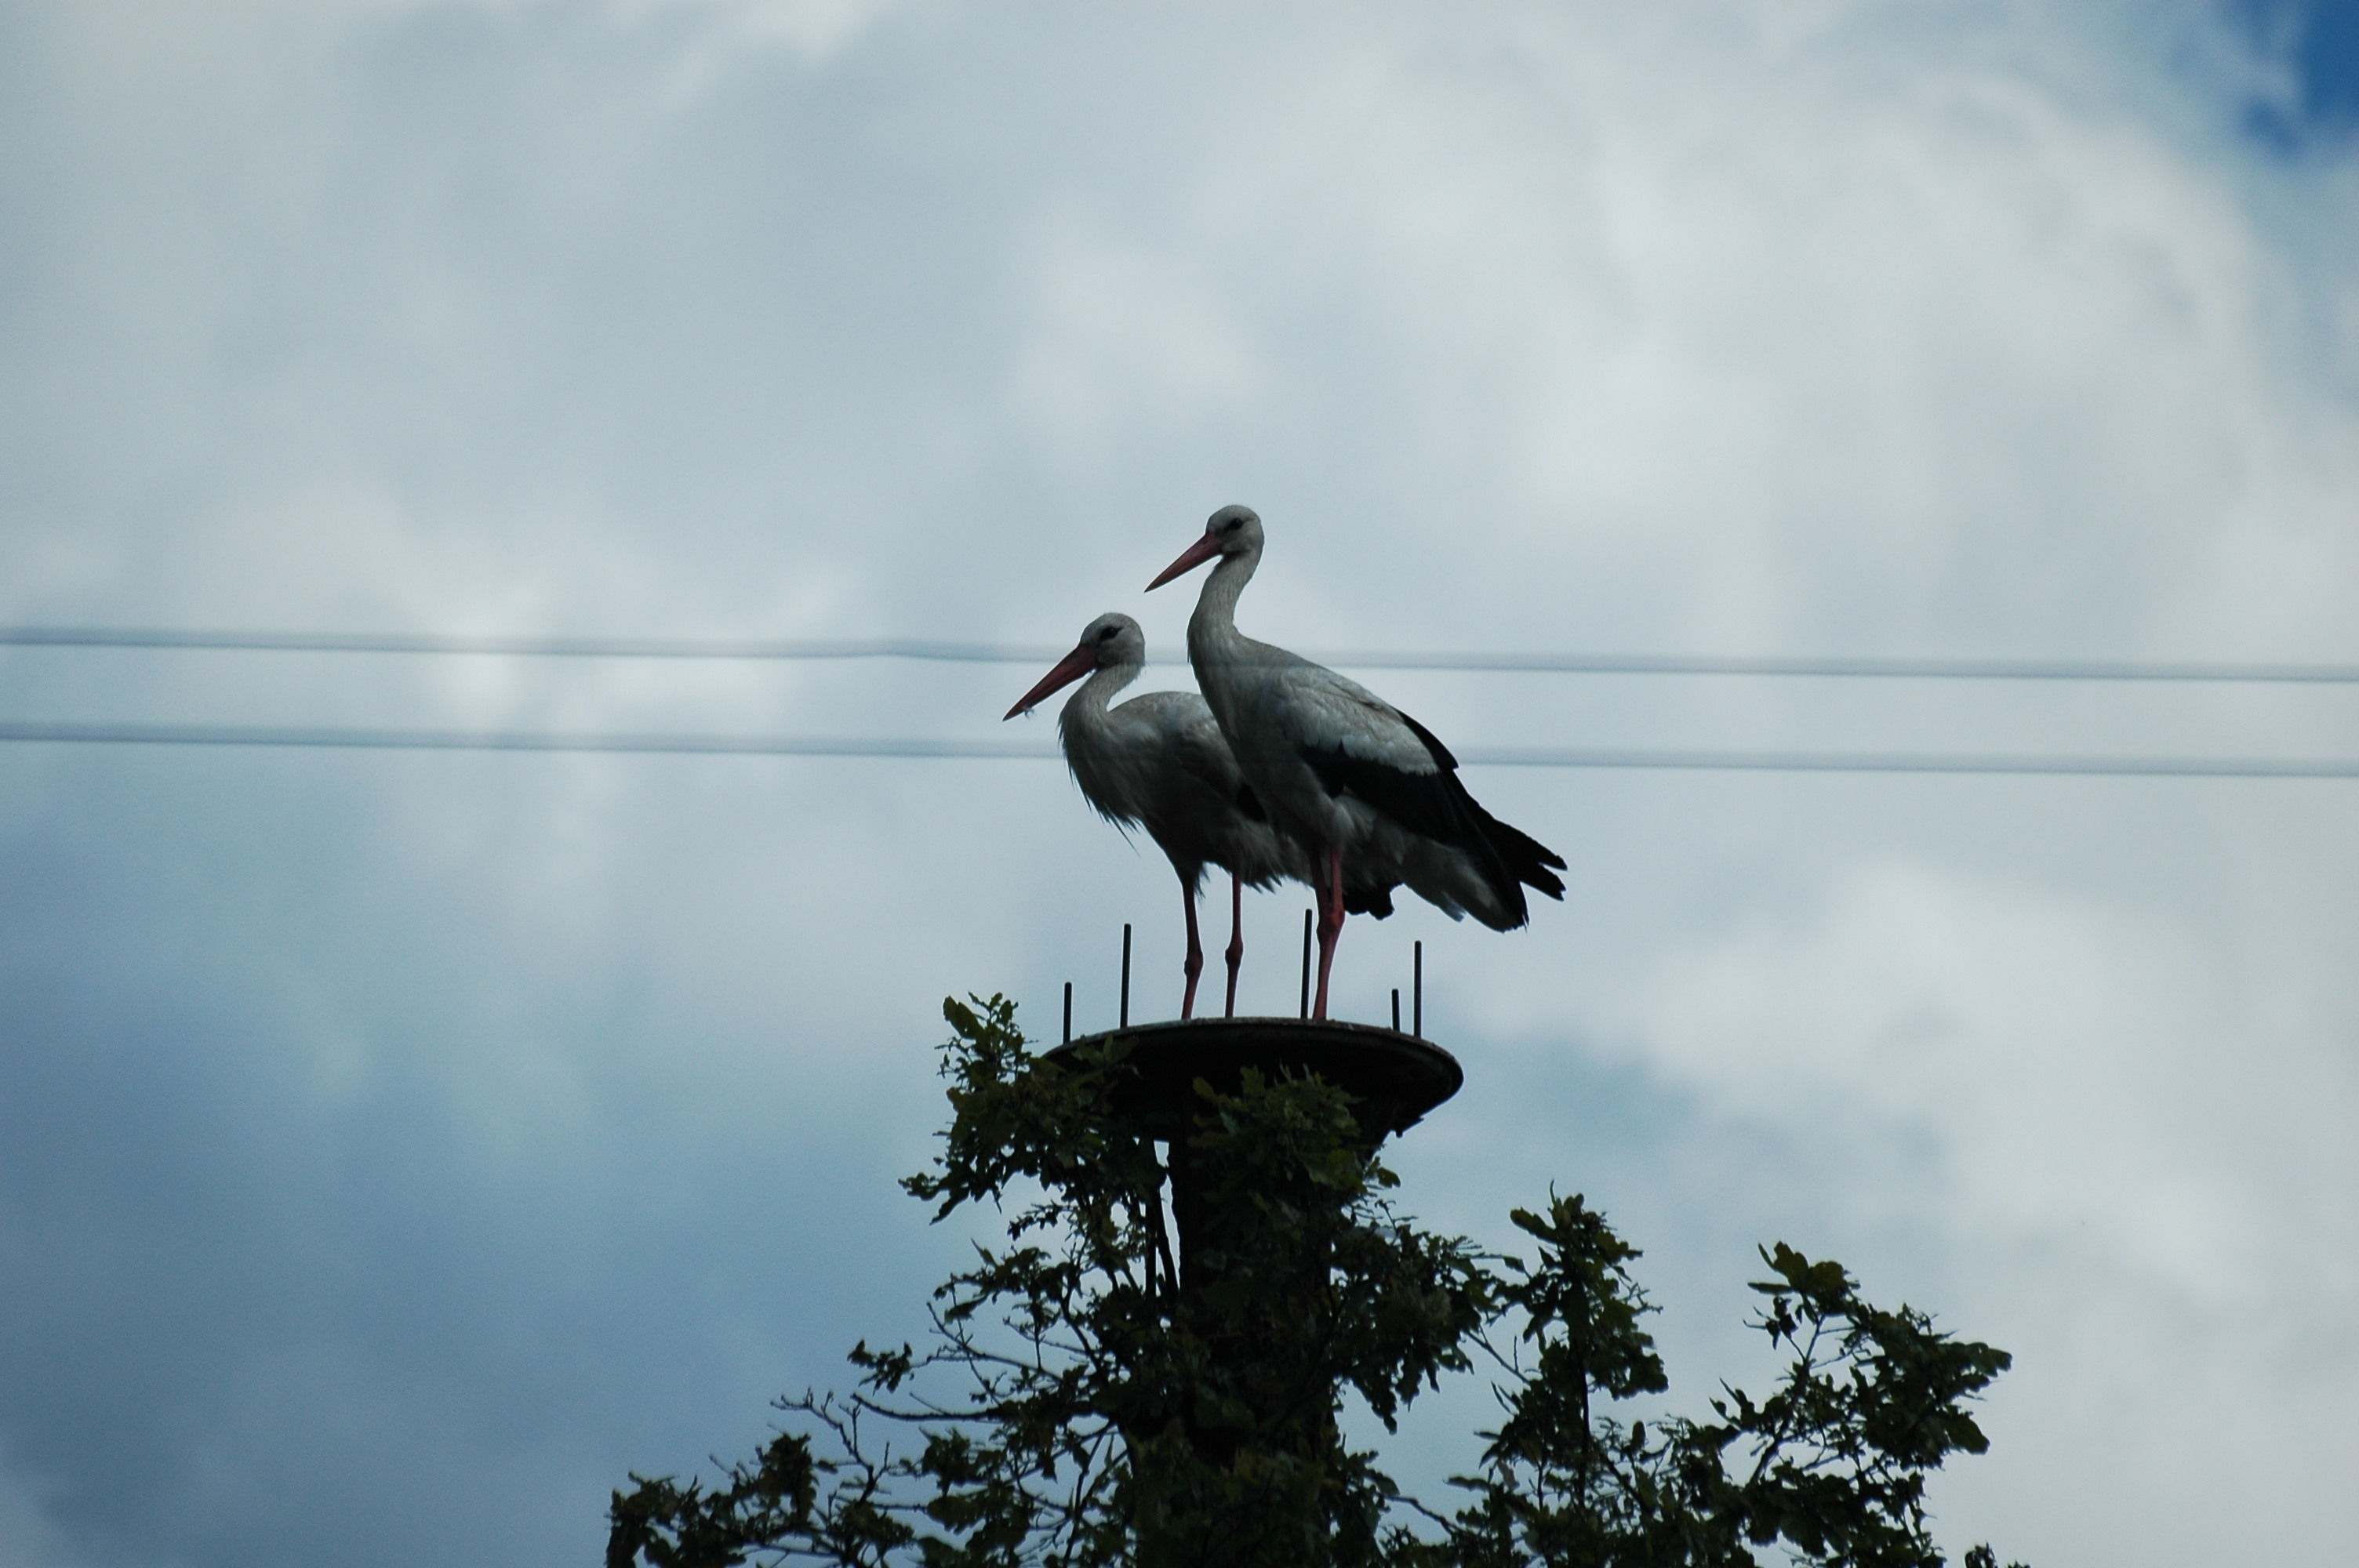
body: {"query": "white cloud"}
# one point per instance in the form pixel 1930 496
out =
pixel 2074 1069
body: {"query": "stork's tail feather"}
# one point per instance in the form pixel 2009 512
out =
pixel 1436 806
pixel 1524 855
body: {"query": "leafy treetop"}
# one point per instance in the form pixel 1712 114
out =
pixel 1078 1404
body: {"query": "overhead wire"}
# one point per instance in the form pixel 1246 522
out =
pixel 759 649
pixel 1646 758
pixel 684 648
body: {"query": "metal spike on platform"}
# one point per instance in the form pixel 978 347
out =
pixel 1417 1007
pixel 1125 1020
pixel 1068 1012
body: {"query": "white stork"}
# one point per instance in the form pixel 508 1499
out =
pixel 1365 789
pixel 1158 761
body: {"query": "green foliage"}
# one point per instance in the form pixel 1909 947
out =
pixel 681 1526
pixel 1832 1465
pixel 1561 1484
pixel 1075 1406
pixel 1872 1400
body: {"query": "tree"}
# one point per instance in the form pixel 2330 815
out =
pixel 1078 1403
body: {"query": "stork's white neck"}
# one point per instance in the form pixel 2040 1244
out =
pixel 1212 628
pixel 1086 709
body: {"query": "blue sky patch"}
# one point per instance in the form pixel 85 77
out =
pixel 2319 39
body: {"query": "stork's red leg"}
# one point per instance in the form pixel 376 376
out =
pixel 1331 924
pixel 1236 939
pixel 1195 964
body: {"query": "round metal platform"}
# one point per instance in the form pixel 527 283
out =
pixel 1395 1077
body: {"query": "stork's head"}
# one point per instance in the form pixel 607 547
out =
pixel 1231 531
pixel 1110 641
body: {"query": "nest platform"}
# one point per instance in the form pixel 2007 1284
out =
pixel 1392 1079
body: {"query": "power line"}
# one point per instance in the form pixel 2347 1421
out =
pixel 531 647
pixel 1917 763
pixel 1027 653
pixel 525 740
pixel 233 735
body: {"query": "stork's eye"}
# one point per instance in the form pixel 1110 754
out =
pixel 1105 634
pixel 1233 524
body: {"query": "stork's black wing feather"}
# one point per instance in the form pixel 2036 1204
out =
pixel 1422 803
pixel 1433 746
pixel 1524 855
pixel 1436 806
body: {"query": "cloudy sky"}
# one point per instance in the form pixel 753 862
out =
pixel 395 1149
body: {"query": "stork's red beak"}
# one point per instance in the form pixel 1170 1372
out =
pixel 1194 556
pixel 1071 668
